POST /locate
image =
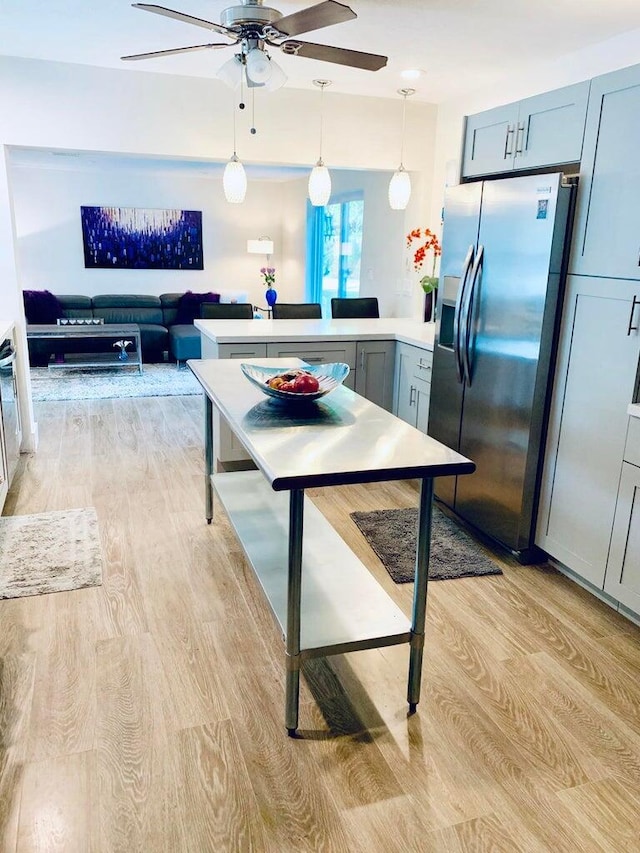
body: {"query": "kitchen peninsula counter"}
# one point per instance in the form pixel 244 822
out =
pixel 405 330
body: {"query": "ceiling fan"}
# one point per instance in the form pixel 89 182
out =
pixel 253 26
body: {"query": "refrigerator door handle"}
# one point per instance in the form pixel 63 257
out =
pixel 468 315
pixel 466 266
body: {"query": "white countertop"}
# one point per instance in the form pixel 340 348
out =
pixel 385 328
pixel 634 410
pixel 5 327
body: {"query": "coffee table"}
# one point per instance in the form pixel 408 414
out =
pixel 114 331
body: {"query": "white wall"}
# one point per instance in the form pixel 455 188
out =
pixel 49 237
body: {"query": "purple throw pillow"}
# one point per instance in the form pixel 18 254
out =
pixel 41 306
pixel 189 306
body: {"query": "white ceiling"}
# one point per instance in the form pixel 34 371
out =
pixel 460 45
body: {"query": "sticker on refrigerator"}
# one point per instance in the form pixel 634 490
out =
pixel 543 207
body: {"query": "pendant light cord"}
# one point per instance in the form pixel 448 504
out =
pixel 321 117
pixel 234 130
pixel 404 113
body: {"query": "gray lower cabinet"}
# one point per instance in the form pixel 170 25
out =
pixel 319 352
pixel 544 130
pixel 607 233
pixel 412 385
pixel 374 371
pixel 622 580
pixel 595 381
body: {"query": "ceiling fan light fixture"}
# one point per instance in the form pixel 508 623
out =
pixel 278 78
pixel 231 72
pixel 319 185
pixel 234 181
pixel 399 189
pixel 258 66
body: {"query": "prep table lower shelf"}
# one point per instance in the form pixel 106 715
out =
pixel 343 608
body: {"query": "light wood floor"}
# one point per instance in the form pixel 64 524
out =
pixel 147 714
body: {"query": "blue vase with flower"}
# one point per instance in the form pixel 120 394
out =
pixel 271 295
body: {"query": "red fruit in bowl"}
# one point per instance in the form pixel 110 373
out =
pixel 305 383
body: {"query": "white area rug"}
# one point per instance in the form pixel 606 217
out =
pixel 49 552
pixel 156 380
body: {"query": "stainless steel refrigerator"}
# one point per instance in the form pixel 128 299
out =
pixel 504 251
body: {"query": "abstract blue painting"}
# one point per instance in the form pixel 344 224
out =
pixel 142 238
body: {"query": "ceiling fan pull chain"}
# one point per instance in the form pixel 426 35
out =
pixel 253 111
pixel 241 104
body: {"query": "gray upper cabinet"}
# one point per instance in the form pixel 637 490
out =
pixel 607 233
pixel 544 130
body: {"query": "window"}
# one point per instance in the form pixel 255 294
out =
pixel 334 250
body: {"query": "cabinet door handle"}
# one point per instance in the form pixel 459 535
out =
pixel 314 360
pixel 508 151
pixel 362 360
pixel 519 139
pixel 631 327
pixel 423 366
pixel 412 397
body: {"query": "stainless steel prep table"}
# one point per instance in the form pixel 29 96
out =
pixel 325 600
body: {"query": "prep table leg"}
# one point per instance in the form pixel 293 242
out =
pixel 208 451
pixel 296 510
pixel 420 592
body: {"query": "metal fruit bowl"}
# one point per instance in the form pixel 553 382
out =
pixel 329 376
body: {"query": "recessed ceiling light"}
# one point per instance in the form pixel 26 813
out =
pixel 411 74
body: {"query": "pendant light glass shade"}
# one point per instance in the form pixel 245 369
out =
pixel 320 179
pixel 400 183
pixel 319 185
pixel 234 181
pixel 399 189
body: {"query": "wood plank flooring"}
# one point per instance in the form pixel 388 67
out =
pixel 147 714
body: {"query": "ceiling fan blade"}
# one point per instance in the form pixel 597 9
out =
pixel 314 18
pixel 156 53
pixel 339 55
pixel 187 19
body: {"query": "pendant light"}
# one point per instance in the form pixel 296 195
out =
pixel 400 183
pixel 234 179
pixel 320 179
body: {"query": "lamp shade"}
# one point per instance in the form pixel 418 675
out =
pixel 399 189
pixel 234 181
pixel 261 246
pixel 319 185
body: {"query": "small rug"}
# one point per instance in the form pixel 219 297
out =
pixel 392 533
pixel 49 552
pixel 75 383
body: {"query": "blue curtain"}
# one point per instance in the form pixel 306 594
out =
pixel 315 248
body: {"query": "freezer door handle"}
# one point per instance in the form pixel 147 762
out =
pixel 468 315
pixel 466 266
pixel 631 327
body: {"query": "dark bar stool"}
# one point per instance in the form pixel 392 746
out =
pixel 297 311
pixel 361 306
